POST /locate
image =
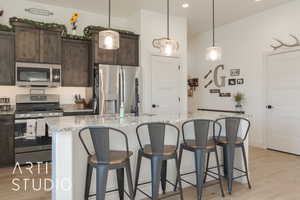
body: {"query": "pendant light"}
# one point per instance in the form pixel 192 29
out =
pixel 167 46
pixel 213 53
pixel 109 39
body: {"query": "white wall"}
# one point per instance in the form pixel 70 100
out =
pixel 244 43
pixel 61 15
pixel 153 25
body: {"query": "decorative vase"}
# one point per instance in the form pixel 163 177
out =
pixel 239 107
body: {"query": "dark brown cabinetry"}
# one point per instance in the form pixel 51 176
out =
pixel 34 45
pixel 7 140
pixel 50 47
pixel 103 56
pixel 128 53
pixel 27 44
pixel 7 58
pixel 76 68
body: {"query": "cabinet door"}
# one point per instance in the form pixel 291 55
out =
pixel 50 47
pixel 102 56
pixel 128 54
pixel 76 66
pixel 7 61
pixel 27 44
pixel 7 140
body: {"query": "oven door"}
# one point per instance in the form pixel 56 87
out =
pixel 32 74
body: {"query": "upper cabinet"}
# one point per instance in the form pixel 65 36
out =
pixel 27 44
pixel 76 68
pixel 50 47
pixel 103 56
pixel 34 45
pixel 7 58
pixel 126 55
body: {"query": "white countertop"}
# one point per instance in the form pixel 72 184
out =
pixel 71 108
pixel 71 123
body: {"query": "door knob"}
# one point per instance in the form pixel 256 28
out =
pixel 269 106
pixel 155 106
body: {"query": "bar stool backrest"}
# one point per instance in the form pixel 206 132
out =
pixel 199 130
pixel 101 141
pixel 233 128
pixel 157 134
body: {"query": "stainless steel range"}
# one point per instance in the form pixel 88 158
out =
pixel 32 141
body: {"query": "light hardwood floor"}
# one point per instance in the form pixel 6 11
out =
pixel 274 176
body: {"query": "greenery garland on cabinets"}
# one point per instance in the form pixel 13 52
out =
pixel 76 37
pixel 5 28
pixel 39 25
pixel 90 29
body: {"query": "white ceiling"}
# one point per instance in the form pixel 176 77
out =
pixel 198 14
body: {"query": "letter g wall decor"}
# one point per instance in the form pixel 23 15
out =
pixel 216 80
pixel 218 83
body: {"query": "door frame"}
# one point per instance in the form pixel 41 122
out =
pixel 162 56
pixel 265 88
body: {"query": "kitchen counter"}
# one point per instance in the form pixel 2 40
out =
pixel 70 159
pixel 71 108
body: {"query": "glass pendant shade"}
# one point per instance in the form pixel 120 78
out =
pixel 168 47
pixel 213 53
pixel 109 39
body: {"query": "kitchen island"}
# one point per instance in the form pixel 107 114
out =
pixel 69 158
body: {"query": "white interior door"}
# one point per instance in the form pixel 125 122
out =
pixel 166 85
pixel 283 96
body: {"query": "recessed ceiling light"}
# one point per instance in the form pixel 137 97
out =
pixel 257 0
pixel 185 5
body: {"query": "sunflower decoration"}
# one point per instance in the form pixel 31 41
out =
pixel 74 21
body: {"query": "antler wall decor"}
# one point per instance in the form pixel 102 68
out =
pixel 282 44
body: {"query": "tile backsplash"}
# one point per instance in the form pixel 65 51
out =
pixel 66 93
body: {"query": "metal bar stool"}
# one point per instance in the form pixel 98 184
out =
pixel 159 154
pixel 201 144
pixel 233 138
pixel 106 159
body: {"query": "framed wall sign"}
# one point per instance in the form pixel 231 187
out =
pixel 232 81
pixel 225 94
pixel 235 72
pixel 212 91
pixel 240 81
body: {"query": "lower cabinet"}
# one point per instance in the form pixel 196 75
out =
pixel 7 140
pixel 76 67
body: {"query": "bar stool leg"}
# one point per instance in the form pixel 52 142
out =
pixel 120 178
pixel 129 180
pixel 219 173
pixel 156 165
pixel 164 176
pixel 200 167
pixel 178 177
pixel 179 165
pixel 207 165
pixel 246 165
pixel 230 151
pixel 89 172
pixel 102 173
pixel 137 173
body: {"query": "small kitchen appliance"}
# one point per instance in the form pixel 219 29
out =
pixel 38 75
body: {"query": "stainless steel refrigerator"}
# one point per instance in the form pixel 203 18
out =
pixel 113 85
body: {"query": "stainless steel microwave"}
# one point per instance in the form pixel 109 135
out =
pixel 38 74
